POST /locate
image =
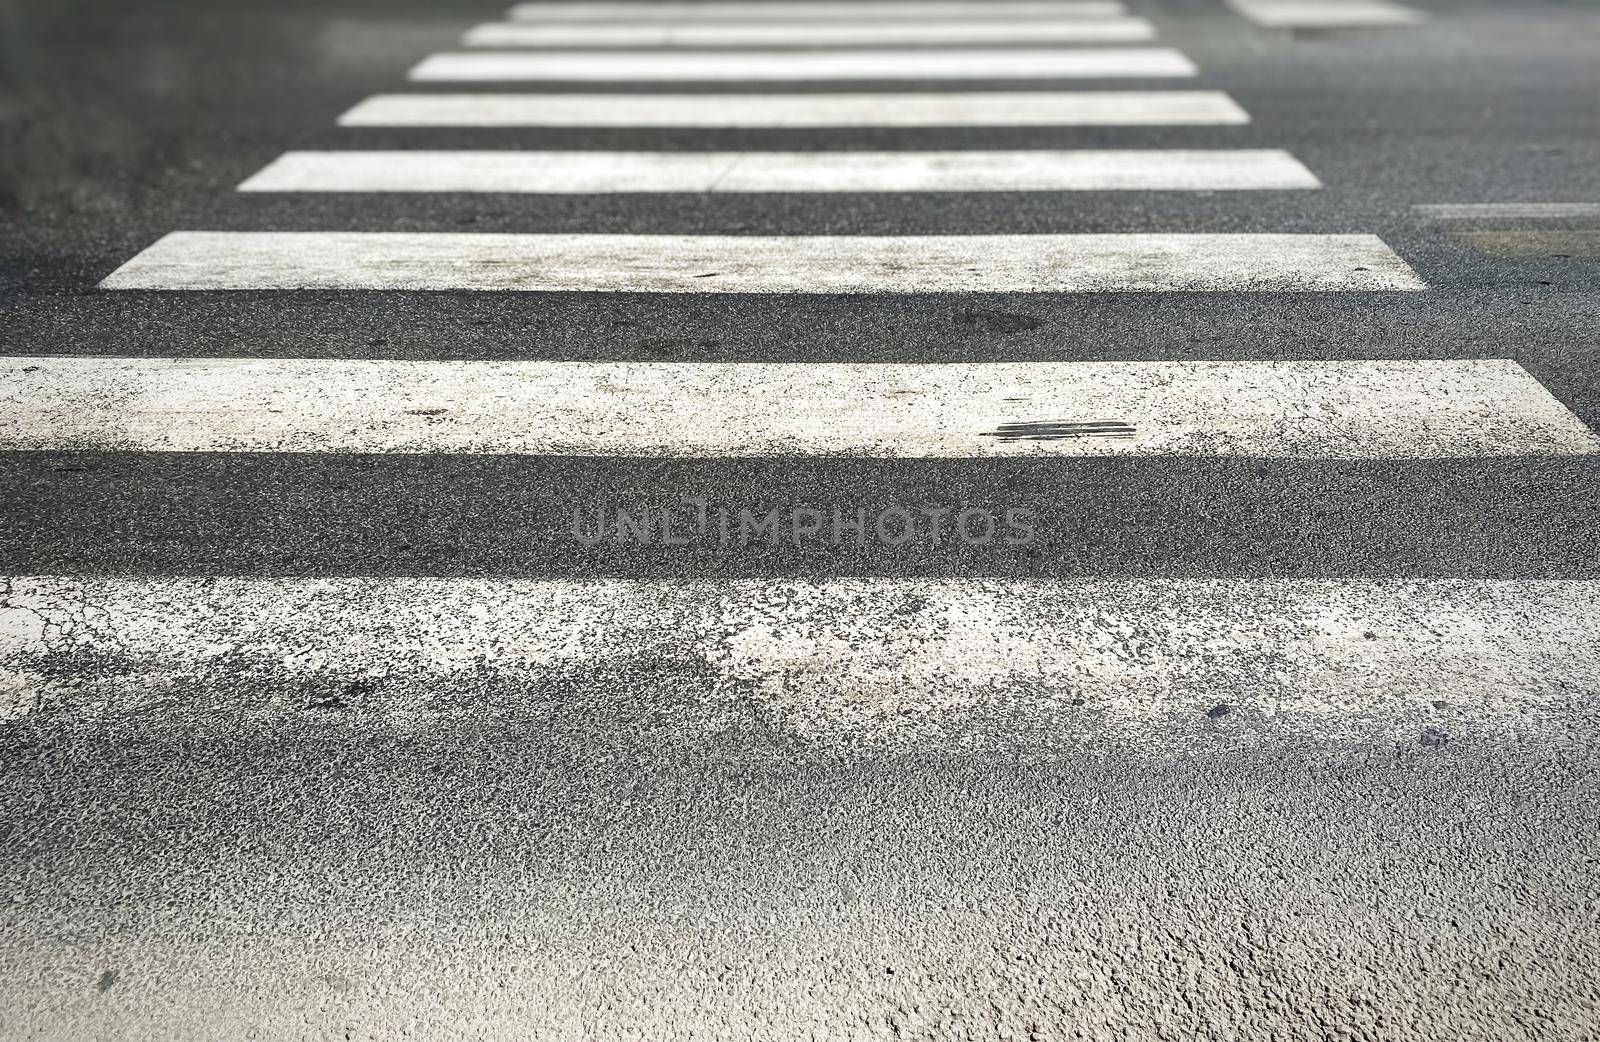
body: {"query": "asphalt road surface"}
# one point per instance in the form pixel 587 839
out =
pixel 1026 521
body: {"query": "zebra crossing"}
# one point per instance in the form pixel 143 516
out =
pixel 1436 409
pixel 791 264
pixel 849 557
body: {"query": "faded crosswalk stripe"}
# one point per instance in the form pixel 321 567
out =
pixel 766 264
pixel 1502 211
pixel 934 109
pixel 1295 409
pixel 603 172
pixel 831 658
pixel 758 34
pixel 751 66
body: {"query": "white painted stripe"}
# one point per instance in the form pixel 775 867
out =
pixel 598 172
pixel 823 10
pixel 1492 211
pixel 1069 30
pixel 1325 14
pixel 822 659
pixel 766 264
pixel 1295 409
pixel 1014 63
pixel 931 109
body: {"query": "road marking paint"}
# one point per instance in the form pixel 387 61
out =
pixel 933 109
pixel 1492 211
pixel 952 64
pixel 963 171
pixel 200 260
pixel 1069 30
pixel 822 10
pixel 1326 14
pixel 825 660
pixel 1536 243
pixel 1292 409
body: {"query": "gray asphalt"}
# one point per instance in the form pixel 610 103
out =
pixel 593 862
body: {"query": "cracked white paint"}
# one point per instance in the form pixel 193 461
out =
pixel 856 660
pixel 1100 263
pixel 1297 409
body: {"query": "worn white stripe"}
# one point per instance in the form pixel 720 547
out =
pixel 1325 14
pixel 930 109
pixel 1067 30
pixel 766 264
pixel 846 659
pixel 965 171
pixel 821 10
pixel 953 64
pixel 1295 409
pixel 1494 211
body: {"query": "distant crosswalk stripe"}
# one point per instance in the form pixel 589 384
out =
pixel 1146 262
pixel 1497 211
pixel 597 172
pixel 1535 243
pixel 951 64
pixel 820 656
pixel 1296 409
pixel 932 109
pixel 1330 14
pixel 822 10
pixel 1060 30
